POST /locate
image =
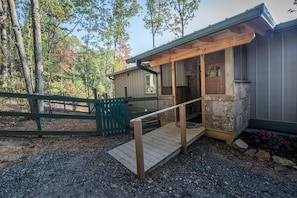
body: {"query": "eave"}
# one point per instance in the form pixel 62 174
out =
pixel 256 20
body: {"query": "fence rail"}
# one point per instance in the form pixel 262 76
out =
pixel 106 123
pixel 40 115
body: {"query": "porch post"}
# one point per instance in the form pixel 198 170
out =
pixel 174 88
pixel 139 148
pixel 183 127
pixel 202 68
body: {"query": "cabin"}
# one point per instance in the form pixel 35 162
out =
pixel 244 68
pixel 237 73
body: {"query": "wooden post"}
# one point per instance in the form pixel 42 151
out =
pixel 139 148
pixel 174 88
pixel 38 118
pixel 202 68
pixel 183 128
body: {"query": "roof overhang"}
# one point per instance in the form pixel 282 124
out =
pixel 234 31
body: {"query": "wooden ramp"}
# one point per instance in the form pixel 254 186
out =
pixel 159 146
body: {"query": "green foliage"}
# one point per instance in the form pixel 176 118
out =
pixel 183 12
pixel 74 66
pixel 154 19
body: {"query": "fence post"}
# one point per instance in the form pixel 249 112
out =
pixel 139 148
pixel 183 127
pixel 38 119
pixel 97 111
pixel 127 110
pixel 98 118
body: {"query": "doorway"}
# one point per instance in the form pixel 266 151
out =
pixel 188 87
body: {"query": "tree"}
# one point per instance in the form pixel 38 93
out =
pixel 3 26
pixel 20 48
pixel 154 19
pixel 183 12
pixel 117 23
pixel 39 85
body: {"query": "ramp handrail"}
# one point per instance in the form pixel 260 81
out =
pixel 137 122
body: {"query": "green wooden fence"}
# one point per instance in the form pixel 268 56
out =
pixel 111 115
pixel 38 116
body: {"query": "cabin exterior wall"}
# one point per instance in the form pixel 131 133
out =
pixel 272 70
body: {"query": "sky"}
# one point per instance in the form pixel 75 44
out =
pixel 209 12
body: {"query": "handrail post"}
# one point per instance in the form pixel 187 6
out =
pixel 182 120
pixel 139 148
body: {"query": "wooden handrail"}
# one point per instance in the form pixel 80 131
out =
pixel 138 133
pixel 164 110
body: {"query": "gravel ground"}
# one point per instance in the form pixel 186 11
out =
pixel 214 170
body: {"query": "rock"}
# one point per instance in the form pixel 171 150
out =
pixel 282 161
pixel 263 155
pixel 114 186
pixel 295 167
pixel 251 152
pixel 240 145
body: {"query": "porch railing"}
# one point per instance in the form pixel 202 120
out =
pixel 137 122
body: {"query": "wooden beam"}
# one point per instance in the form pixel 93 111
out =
pixel 202 75
pixel 199 47
pixel 215 46
pixel 186 46
pixel 160 61
pixel 207 39
pixel 236 29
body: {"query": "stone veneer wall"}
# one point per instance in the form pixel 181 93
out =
pixel 228 113
pixel 165 102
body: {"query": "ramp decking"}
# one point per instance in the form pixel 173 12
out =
pixel 159 146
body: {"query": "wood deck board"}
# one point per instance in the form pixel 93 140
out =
pixel 159 146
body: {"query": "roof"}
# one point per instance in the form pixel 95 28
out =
pixel 130 69
pixel 123 71
pixel 256 13
pixel 289 25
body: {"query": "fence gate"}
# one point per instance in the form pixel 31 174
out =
pixel 112 116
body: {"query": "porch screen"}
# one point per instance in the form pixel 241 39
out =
pixel 215 73
pixel 166 79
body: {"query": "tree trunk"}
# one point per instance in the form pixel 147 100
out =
pixel 11 60
pixel 21 49
pixel 39 81
pixel 3 67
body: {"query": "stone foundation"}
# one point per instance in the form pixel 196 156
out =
pixel 228 113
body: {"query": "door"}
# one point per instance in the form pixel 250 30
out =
pixel 214 79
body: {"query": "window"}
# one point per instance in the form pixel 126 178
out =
pixel 166 79
pixel 150 84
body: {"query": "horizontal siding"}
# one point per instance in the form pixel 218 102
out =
pixel 272 70
pixel 135 83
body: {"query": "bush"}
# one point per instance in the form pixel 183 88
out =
pixel 285 146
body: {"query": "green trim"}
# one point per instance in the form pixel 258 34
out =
pixel 259 11
pixel 286 127
pixel 290 25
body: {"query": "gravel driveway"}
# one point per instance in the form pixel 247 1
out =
pixel 214 170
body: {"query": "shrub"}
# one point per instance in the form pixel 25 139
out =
pixel 285 146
